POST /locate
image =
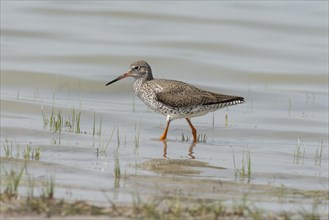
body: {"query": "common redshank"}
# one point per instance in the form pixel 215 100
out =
pixel 174 99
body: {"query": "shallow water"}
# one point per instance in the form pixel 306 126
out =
pixel 60 55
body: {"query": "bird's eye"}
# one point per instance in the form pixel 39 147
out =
pixel 136 68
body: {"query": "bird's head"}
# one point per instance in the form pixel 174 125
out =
pixel 138 70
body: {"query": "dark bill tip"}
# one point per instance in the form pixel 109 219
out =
pixel 112 81
pixel 117 79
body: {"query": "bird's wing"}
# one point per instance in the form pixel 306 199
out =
pixel 180 94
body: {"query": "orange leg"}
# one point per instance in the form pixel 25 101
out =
pixel 164 135
pixel 193 130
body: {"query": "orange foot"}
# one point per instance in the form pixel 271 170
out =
pixel 163 137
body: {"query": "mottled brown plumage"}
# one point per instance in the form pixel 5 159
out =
pixel 179 94
pixel 175 99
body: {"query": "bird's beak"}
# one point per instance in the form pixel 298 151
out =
pixel 125 75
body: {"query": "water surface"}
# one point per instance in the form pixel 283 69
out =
pixel 59 55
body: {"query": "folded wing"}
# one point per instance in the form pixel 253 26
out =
pixel 186 95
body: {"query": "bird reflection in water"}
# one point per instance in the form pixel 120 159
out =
pixel 190 152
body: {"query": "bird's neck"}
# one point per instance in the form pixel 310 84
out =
pixel 138 83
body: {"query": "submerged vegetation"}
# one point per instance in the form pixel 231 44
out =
pixel 318 154
pixel 29 153
pixel 185 138
pixel 137 137
pixel 299 154
pixel 201 138
pixel 245 170
pixel 103 144
pixel 117 170
pixel 10 182
pixel 8 148
pixel 56 121
pixel 161 206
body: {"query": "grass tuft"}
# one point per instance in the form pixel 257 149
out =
pixel 245 170
pixel 48 190
pixel 11 182
pixel 137 137
pixel 318 155
pixel 164 206
pixel 102 148
pixel 8 148
pixel 99 132
pixel 117 170
pixel 202 138
pixel 299 155
pixel 31 153
pixel 185 138
pixel 118 136
pixel 56 121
